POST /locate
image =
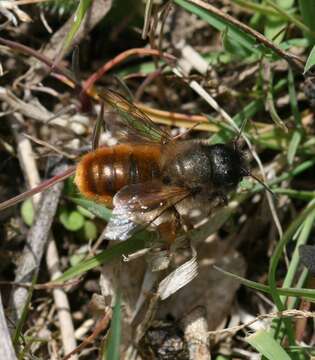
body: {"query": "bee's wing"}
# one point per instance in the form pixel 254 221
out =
pixel 140 205
pixel 130 123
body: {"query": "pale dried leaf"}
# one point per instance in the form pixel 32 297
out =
pixel 180 277
pixel 210 289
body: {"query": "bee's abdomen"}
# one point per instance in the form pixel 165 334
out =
pixel 103 172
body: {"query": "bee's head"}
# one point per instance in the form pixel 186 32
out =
pixel 227 166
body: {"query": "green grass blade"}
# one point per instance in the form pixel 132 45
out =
pixel 116 251
pixel 297 134
pixel 293 146
pixel 304 233
pixel 77 20
pixel 307 10
pixel 235 34
pixel 293 99
pixel 272 281
pixel 288 174
pixel 112 349
pixel 246 113
pixel 272 109
pixel 24 315
pixel 310 60
pixel 263 342
pixel 294 292
pixel 297 194
pixel 99 210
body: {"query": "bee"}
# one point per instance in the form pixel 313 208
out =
pixel 151 179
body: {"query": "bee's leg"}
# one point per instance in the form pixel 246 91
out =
pixel 220 197
pixel 186 224
pixel 168 230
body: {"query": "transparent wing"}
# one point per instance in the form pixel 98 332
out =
pixel 130 123
pixel 140 205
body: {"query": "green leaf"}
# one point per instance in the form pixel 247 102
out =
pixel 90 230
pixel 285 9
pixel 267 345
pixel 276 24
pixel 310 60
pixel 112 348
pixel 274 29
pixel 72 220
pixel 27 212
pixel 75 259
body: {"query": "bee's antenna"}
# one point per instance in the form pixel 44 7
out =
pixel 187 131
pixel 266 187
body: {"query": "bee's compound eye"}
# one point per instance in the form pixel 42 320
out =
pixel 227 170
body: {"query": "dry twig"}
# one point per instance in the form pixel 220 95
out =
pixel 196 334
pixel 274 315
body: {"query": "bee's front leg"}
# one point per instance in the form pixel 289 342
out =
pixel 169 229
pixel 219 197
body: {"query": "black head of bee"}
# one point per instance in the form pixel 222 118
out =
pixel 227 166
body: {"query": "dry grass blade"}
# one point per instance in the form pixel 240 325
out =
pixel 36 240
pixel 6 347
pixel 147 18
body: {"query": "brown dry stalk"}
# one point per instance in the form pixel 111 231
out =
pixel 101 325
pixel 45 286
pixel 122 57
